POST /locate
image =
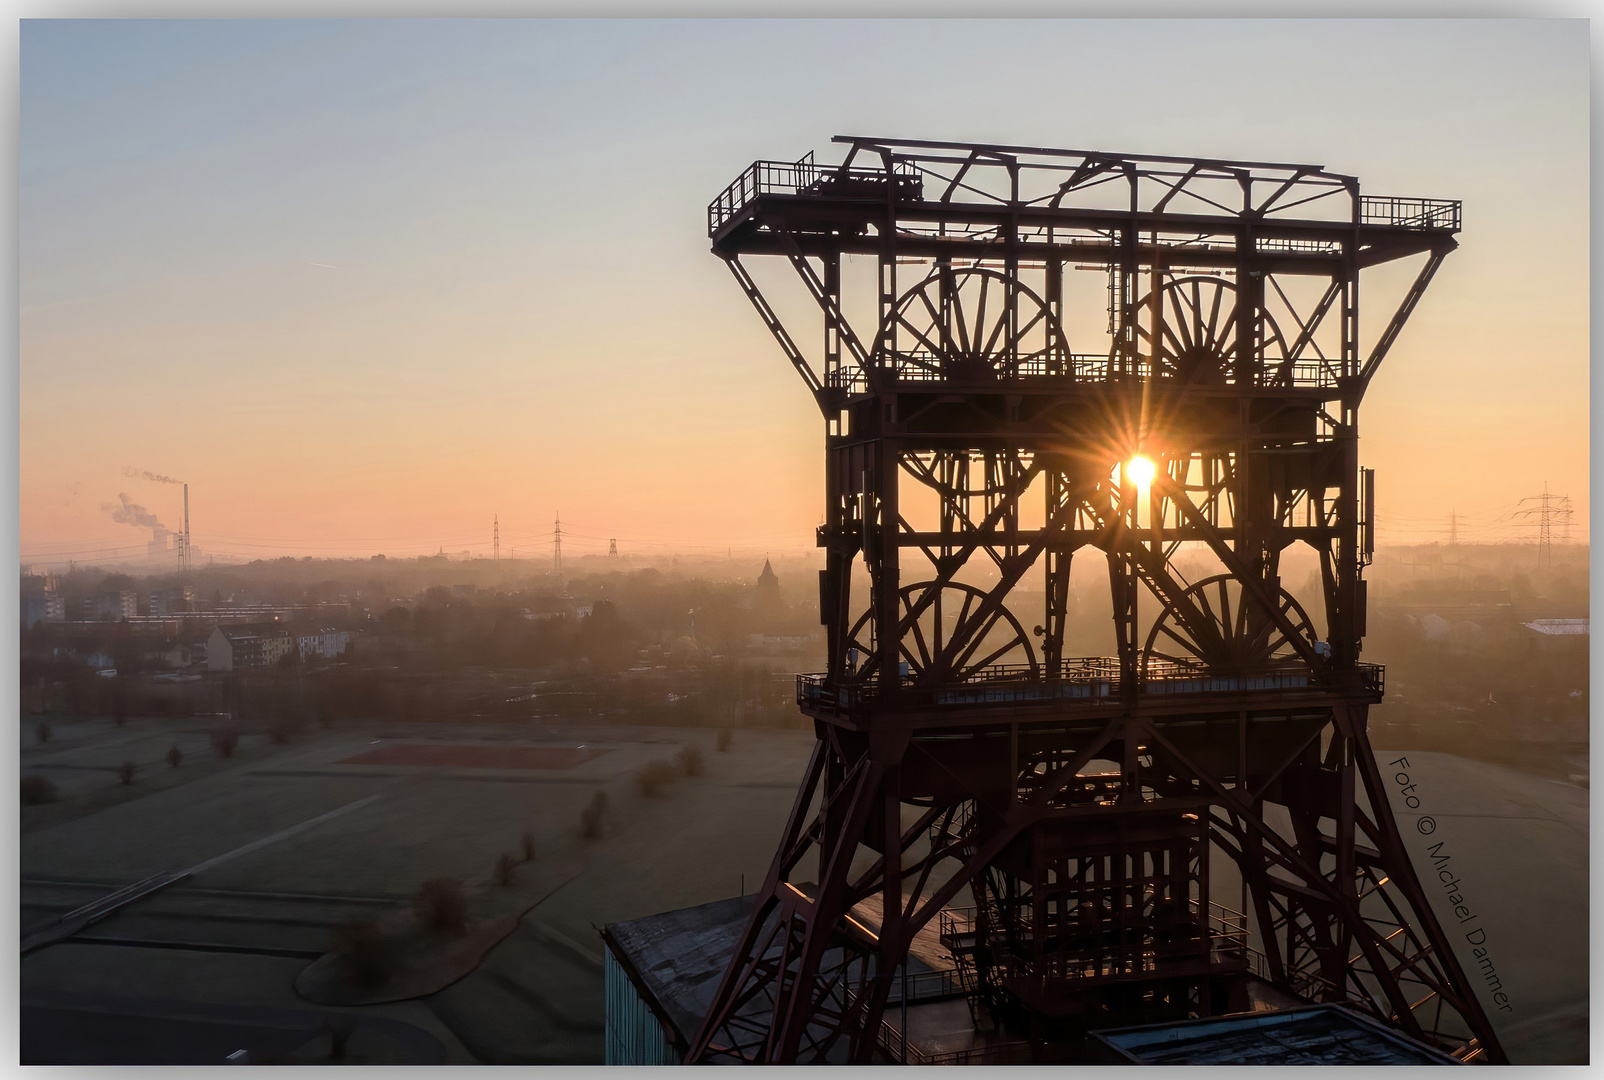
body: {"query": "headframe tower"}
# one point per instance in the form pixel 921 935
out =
pixel 973 453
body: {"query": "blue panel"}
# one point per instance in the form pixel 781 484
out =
pixel 634 1035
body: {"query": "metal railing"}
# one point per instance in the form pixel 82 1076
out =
pixel 927 986
pixel 1084 679
pixel 1289 245
pixel 1409 213
pixel 1305 984
pixel 921 366
pixel 908 1053
pixel 806 178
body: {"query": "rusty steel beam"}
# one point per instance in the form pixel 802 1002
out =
pixel 953 404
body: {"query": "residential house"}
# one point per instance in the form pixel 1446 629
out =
pixel 247 645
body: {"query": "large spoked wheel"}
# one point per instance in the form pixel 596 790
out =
pixel 953 639
pixel 1195 339
pixel 960 476
pixel 959 325
pixel 1225 631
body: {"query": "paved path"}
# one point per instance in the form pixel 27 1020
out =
pixel 72 922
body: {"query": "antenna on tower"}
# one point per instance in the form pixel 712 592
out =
pixel 495 539
pixel 557 547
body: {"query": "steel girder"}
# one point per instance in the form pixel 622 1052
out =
pixel 946 420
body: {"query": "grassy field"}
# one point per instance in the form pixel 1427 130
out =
pixel 290 839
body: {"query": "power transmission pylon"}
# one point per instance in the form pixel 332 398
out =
pixel 557 547
pixel 1550 510
pixel 612 548
pixel 495 540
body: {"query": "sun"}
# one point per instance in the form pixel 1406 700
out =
pixel 1140 470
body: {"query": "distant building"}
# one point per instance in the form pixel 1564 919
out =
pixel 170 601
pixel 247 645
pixel 40 600
pixel 183 654
pixel 111 606
pixel 1558 627
pixel 325 644
pixel 777 643
pixel 46 608
pixel 765 600
pixel 1564 636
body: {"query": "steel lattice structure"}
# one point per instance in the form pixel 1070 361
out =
pixel 970 448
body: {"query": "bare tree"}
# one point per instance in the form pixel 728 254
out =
pixel 689 760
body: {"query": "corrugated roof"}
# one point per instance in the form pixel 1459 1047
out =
pixel 1323 1035
pixel 679 955
pixel 1558 626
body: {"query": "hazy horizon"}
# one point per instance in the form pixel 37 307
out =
pixel 366 285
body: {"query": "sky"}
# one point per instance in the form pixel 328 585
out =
pixel 367 285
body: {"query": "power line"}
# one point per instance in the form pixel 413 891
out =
pixel 1549 511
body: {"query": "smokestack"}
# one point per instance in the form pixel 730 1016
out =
pixel 185 562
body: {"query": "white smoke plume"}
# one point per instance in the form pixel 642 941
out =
pixel 131 513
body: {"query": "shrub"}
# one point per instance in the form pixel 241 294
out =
pixel 689 760
pixel 725 738
pixel 224 740
pixel 590 819
pixel 654 777
pixel 442 905
pixel 529 845
pixel 504 864
pixel 368 955
pixel 38 789
pixel 42 733
pixel 125 772
pixel 175 756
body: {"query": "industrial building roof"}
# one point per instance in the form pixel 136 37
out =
pixel 1322 1035
pixel 248 631
pixel 678 956
pixel 1558 626
pixel 675 958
